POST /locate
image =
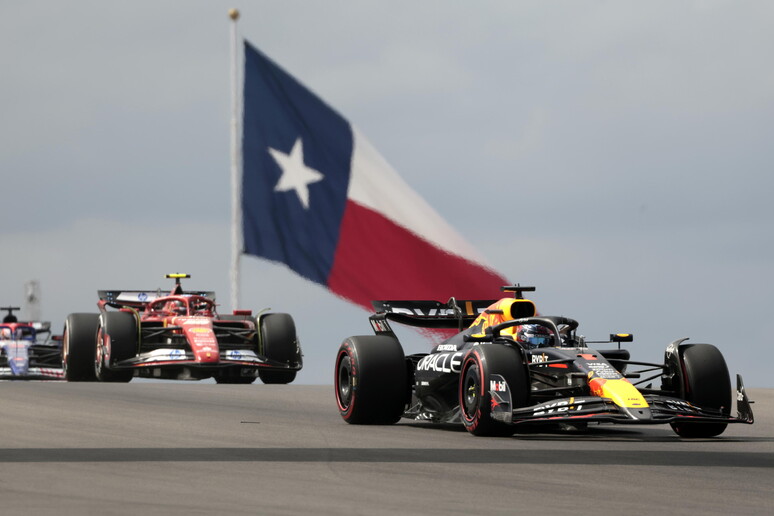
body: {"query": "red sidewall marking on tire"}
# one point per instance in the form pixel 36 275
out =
pixel 346 412
pixel 471 422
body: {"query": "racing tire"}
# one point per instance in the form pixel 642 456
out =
pixel 275 377
pixel 79 336
pixel 474 395
pixel 232 377
pixel 278 342
pixel 116 341
pixel 371 380
pixel 705 382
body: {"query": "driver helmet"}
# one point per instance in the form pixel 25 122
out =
pixel 176 306
pixel 6 334
pixel 534 336
pixel 200 307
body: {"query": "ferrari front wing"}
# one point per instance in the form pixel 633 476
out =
pixel 183 358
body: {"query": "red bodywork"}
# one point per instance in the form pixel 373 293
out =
pixel 189 315
pixel 193 316
pixel 181 336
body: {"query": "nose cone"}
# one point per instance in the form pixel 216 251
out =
pixel 19 365
pixel 201 338
pixel 622 392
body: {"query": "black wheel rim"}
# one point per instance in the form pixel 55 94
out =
pixel 344 381
pixel 470 390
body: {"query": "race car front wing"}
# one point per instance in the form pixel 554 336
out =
pixel 660 410
pixel 33 373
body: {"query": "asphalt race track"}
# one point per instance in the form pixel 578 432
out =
pixel 202 448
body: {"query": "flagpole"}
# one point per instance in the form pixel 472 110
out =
pixel 236 207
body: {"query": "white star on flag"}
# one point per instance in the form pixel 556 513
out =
pixel 295 175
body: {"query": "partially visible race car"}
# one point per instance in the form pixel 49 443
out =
pixel 28 351
pixel 511 369
pixel 179 335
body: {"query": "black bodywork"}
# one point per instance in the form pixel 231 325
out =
pixel 567 383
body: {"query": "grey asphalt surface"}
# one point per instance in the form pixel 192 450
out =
pixel 199 448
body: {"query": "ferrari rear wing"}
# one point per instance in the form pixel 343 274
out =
pixel 427 314
pixel 139 298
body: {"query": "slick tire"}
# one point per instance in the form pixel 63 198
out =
pixel 371 380
pixel 233 377
pixel 116 341
pixel 705 382
pixel 78 346
pixel 278 341
pixel 474 394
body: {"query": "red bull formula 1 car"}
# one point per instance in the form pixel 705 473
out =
pixel 511 369
pixel 178 335
pixel 28 351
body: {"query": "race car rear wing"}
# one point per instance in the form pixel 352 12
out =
pixel 41 326
pixel 453 314
pixel 427 314
pixel 139 298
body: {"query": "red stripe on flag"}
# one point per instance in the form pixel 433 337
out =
pixel 377 259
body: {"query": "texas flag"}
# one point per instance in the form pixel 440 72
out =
pixel 318 197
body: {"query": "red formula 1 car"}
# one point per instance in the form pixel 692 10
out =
pixel 177 336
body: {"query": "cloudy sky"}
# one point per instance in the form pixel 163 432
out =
pixel 617 155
